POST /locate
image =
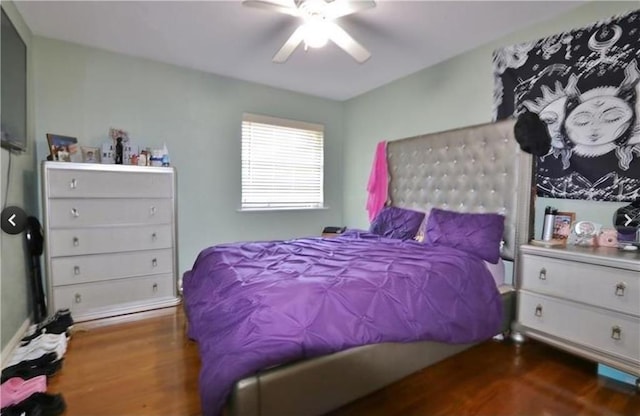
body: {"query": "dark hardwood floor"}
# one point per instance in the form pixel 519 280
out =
pixel 148 367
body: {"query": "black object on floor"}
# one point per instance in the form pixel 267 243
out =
pixel 38 404
pixel 51 328
pixel 35 243
pixel 57 323
pixel 45 365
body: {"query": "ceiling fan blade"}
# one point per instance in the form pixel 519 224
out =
pixel 281 6
pixel 339 8
pixel 346 42
pixel 290 45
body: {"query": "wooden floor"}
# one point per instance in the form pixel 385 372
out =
pixel 150 368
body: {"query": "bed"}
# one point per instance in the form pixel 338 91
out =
pixel 259 358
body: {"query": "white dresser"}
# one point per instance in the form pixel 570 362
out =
pixel 584 300
pixel 110 233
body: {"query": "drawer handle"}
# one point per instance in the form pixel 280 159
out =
pixel 76 270
pixel 154 263
pixel 538 310
pixel 616 332
pixel 620 287
pixel 75 213
pixel 78 298
pixel 73 184
pixel 154 236
pixel 152 211
pixel 543 274
pixel 76 242
pixel 155 287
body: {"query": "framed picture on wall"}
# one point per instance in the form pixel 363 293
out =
pixel 63 148
pixel 562 225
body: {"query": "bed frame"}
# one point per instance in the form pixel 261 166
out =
pixel 474 169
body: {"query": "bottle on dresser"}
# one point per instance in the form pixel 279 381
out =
pixel 549 220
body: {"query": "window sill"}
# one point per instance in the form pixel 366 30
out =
pixel 282 209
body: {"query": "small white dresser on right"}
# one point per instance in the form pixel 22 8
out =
pixel 584 300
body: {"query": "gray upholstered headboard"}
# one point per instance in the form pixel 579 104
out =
pixel 473 169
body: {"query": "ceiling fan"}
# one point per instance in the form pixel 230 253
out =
pixel 318 25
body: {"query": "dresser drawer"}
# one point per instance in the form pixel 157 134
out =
pixel 85 297
pixel 65 213
pixel 608 287
pixel 74 242
pixel 96 267
pixel 79 183
pixel 597 329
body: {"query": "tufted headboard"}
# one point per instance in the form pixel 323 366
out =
pixel 473 169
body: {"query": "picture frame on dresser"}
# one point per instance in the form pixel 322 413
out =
pixel 90 154
pixel 63 148
pixel 562 225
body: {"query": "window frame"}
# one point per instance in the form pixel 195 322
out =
pixel 284 123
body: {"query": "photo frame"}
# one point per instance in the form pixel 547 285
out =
pixel 90 154
pixel 63 148
pixel 562 225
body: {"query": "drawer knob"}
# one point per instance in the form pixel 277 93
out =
pixel 152 211
pixel 538 310
pixel 155 287
pixel 620 287
pixel 154 236
pixel 616 332
pixel 76 270
pixel 543 274
pixel 73 184
pixel 76 242
pixel 78 298
pixel 75 213
pixel 154 263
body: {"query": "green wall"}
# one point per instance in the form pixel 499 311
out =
pixel 83 91
pixel 14 288
pixel 455 93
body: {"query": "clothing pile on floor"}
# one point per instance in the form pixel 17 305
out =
pixel 23 391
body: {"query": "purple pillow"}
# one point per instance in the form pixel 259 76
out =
pixel 479 234
pixel 394 222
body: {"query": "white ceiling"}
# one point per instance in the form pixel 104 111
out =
pixel 227 38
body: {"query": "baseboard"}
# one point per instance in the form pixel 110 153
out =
pixel 13 342
pixel 127 318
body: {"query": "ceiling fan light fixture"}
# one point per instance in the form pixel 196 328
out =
pixel 318 25
pixel 315 32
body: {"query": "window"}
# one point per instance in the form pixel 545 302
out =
pixel 282 163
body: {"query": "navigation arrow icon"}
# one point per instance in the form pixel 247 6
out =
pixel 13 220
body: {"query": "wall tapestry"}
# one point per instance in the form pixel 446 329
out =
pixel 584 84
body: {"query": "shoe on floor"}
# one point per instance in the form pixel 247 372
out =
pixel 57 323
pixel 16 390
pixel 40 346
pixel 46 365
pixel 45 339
pixel 38 404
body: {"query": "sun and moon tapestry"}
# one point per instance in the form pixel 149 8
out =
pixel 584 84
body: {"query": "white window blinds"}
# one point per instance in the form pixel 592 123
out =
pixel 282 163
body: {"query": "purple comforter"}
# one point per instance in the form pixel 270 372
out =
pixel 255 305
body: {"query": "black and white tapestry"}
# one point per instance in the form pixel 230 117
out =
pixel 584 84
